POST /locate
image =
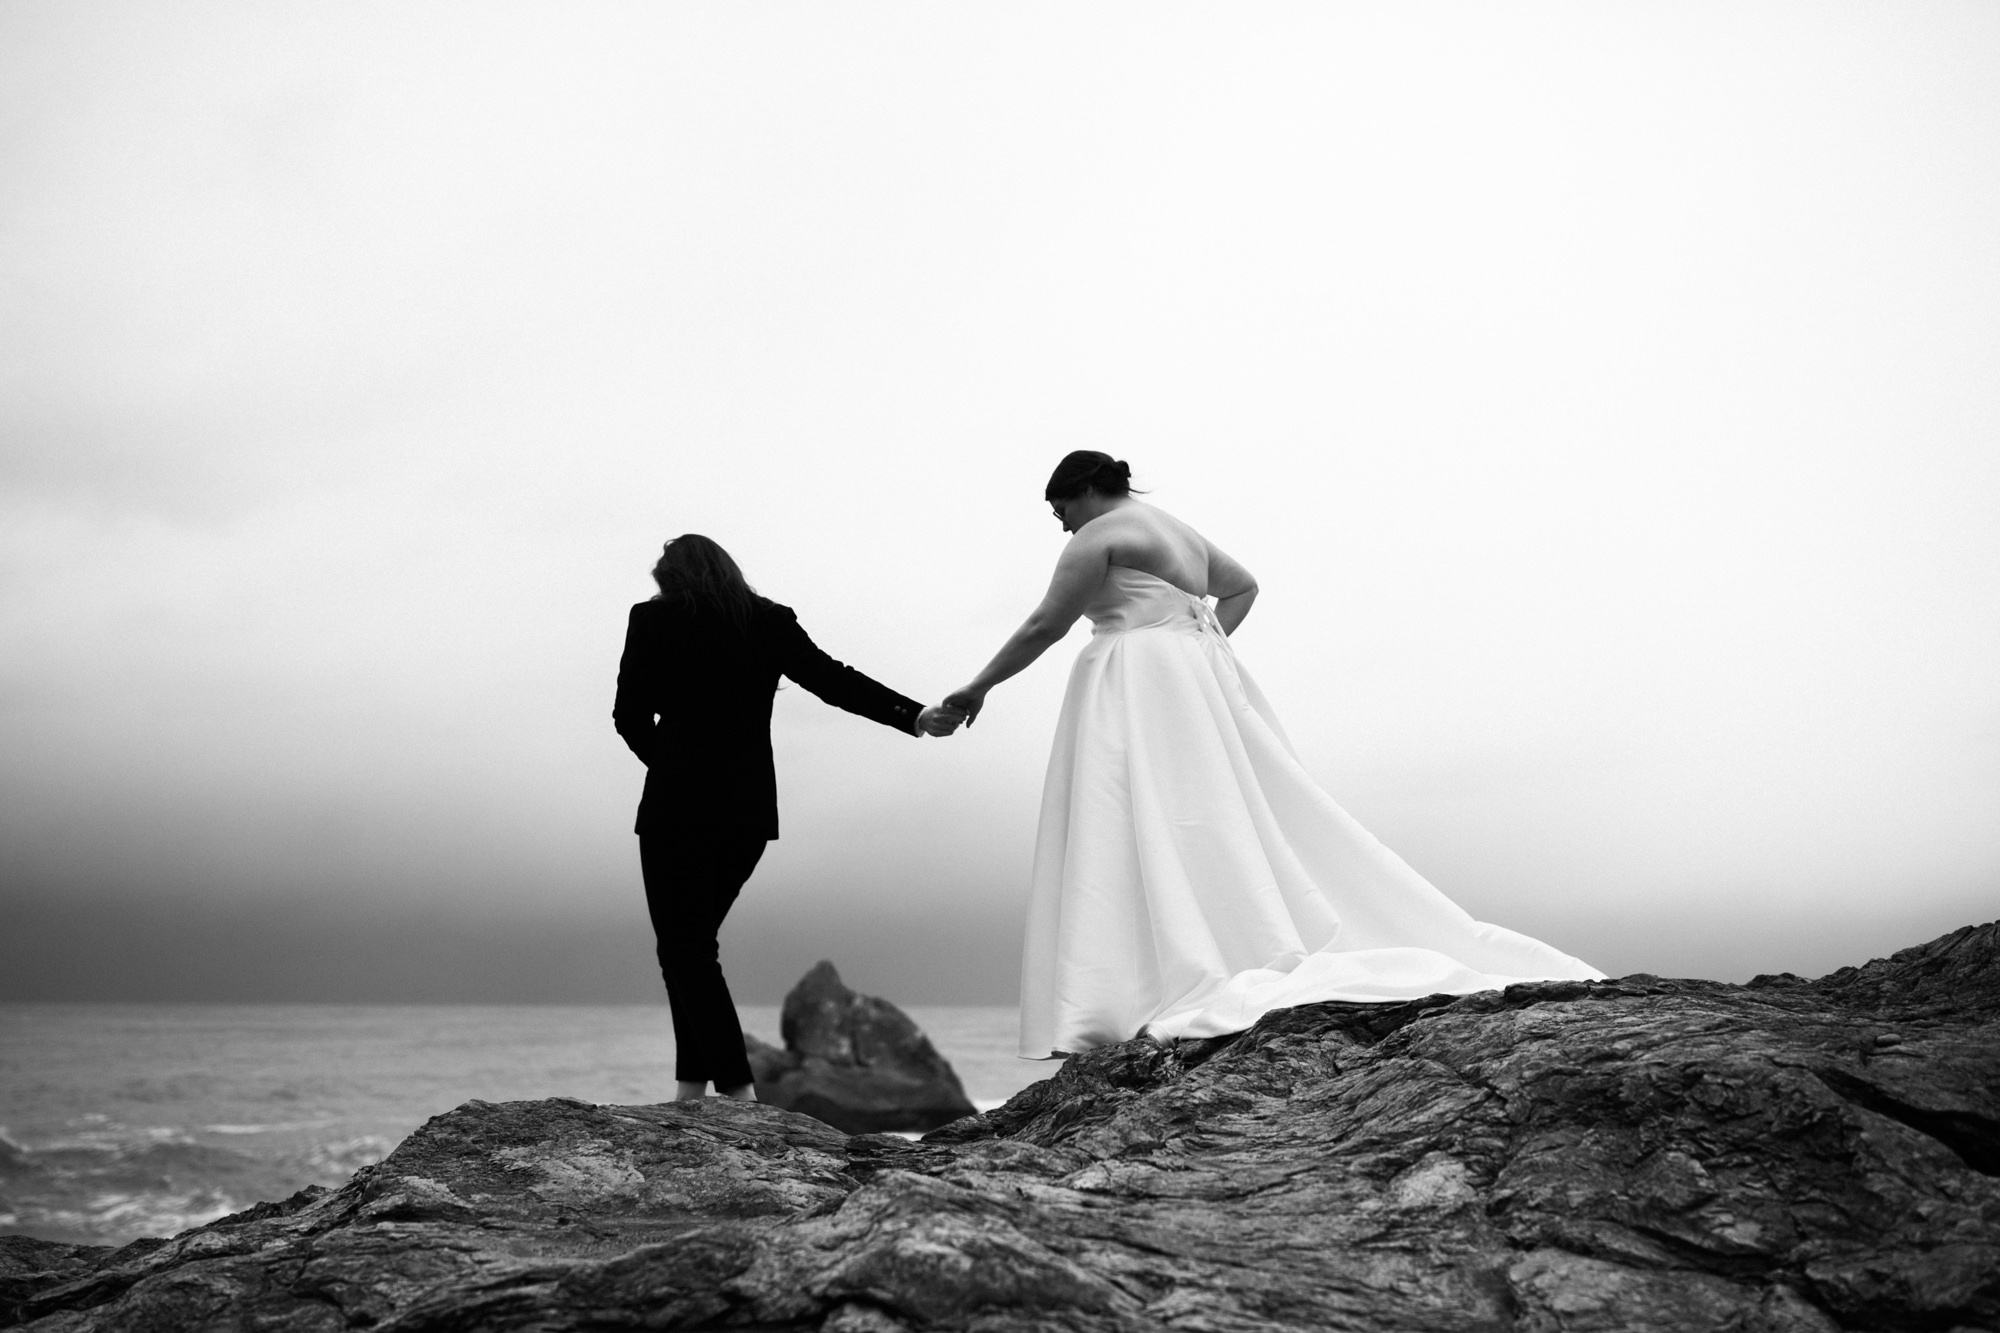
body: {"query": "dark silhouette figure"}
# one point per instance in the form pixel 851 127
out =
pixel 695 687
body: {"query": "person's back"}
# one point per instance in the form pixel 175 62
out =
pixel 1149 539
pixel 710 673
pixel 697 686
pixel 1141 536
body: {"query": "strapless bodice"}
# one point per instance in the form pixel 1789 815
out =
pixel 1132 599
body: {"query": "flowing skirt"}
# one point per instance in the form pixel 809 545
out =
pixel 1190 876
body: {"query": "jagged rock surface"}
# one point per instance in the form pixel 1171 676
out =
pixel 855 1061
pixel 1783 1157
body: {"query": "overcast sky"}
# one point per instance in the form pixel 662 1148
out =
pixel 1604 396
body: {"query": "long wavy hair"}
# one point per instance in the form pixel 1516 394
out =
pixel 696 573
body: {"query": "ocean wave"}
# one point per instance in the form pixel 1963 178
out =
pixel 115 1219
pixel 283 1127
pixel 115 1189
pixel 343 1159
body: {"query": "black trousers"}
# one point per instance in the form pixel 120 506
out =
pixel 692 880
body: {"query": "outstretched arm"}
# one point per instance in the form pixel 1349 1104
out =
pixel 1232 587
pixel 841 685
pixel 1079 572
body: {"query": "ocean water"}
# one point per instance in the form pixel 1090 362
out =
pixel 119 1121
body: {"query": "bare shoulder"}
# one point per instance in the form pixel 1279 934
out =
pixel 1222 574
pixel 1143 520
pixel 1145 537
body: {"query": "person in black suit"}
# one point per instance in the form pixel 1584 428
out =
pixel 695 686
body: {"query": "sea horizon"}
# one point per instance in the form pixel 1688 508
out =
pixel 120 1120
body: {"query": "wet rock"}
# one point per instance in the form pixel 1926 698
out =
pixel 28 1264
pixel 1640 1154
pixel 854 1061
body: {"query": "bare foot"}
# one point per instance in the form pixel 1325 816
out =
pixel 690 1092
pixel 746 1093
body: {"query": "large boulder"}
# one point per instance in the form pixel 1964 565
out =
pixel 1642 1155
pixel 855 1061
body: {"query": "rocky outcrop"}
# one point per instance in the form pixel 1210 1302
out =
pixel 1642 1154
pixel 854 1061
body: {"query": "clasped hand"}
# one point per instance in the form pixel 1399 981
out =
pixel 940 719
pixel 959 708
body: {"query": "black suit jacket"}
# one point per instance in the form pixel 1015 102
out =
pixel 710 686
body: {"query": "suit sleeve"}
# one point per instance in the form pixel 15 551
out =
pixel 839 684
pixel 632 709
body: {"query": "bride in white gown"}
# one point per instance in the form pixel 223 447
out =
pixel 1189 875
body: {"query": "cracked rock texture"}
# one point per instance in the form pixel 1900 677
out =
pixel 1788 1156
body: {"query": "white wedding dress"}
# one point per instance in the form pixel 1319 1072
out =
pixel 1190 876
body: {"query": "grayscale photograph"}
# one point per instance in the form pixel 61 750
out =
pixel 884 667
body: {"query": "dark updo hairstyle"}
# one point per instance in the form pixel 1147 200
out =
pixel 1088 470
pixel 696 573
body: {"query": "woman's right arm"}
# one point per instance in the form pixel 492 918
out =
pixel 1232 586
